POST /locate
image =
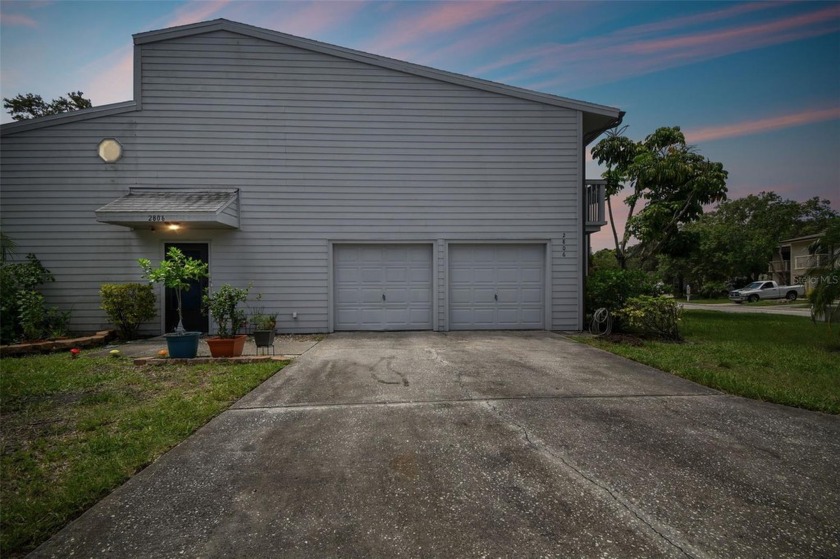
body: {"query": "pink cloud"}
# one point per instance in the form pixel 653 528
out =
pixel 17 20
pixel 439 18
pixel 197 11
pixel 488 36
pixel 632 51
pixel 317 17
pixel 739 38
pixel 704 17
pixel 113 84
pixel 748 127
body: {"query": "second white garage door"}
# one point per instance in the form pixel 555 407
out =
pixel 383 287
pixel 496 287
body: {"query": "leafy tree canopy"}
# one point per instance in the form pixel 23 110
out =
pixel 737 240
pixel 29 105
pixel 670 184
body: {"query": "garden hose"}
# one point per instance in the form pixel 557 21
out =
pixel 601 323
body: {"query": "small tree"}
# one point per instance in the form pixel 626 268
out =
pixel 669 182
pixel 175 272
pixel 29 105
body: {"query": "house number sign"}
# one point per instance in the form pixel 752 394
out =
pixel 157 218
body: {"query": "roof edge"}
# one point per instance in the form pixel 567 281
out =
pixel 84 114
pixel 222 24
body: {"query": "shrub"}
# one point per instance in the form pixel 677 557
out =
pixel 31 314
pixel 713 289
pixel 55 323
pixel 654 316
pixel 612 288
pixel 128 305
pixel 223 306
pixel 21 301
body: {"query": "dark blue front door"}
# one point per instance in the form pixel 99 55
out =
pixel 194 321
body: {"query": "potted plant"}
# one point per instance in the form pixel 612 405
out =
pixel 264 326
pixel 223 306
pixel 175 272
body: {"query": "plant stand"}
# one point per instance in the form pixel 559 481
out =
pixel 264 340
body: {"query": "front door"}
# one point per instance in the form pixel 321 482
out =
pixel 194 321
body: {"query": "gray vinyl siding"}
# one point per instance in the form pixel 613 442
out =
pixel 322 149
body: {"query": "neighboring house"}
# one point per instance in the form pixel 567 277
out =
pixel 354 191
pixel 793 259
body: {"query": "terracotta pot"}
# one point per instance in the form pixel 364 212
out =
pixel 227 347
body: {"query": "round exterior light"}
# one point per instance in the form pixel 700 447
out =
pixel 110 150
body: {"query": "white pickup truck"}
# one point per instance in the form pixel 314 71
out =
pixel 766 290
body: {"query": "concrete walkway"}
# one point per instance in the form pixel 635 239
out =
pixel 287 345
pixel 474 445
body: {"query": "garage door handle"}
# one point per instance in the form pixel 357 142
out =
pixel 383 296
pixel 496 296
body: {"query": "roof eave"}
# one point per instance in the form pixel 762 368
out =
pixel 73 116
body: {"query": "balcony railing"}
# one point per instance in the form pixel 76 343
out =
pixel 595 216
pixel 810 261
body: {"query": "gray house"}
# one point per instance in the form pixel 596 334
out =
pixel 354 191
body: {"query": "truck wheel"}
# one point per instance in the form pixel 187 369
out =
pixel 752 298
pixel 791 296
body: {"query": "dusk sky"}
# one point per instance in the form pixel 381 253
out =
pixel 755 86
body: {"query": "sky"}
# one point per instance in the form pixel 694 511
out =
pixel 754 85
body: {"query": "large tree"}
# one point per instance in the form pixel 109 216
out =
pixel 670 185
pixel 736 241
pixel 29 105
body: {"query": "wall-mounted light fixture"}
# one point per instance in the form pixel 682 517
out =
pixel 110 150
pixel 173 226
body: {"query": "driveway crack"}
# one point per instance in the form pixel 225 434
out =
pixel 540 446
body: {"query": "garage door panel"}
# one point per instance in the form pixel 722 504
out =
pixel 364 273
pixel 483 294
pixel 532 275
pixel 507 295
pixel 394 295
pixel 496 286
pixel 396 275
pixel 533 296
pixel 370 295
pixel 420 296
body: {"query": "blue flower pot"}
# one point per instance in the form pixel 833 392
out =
pixel 183 346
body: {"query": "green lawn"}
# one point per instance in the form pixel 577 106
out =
pixel 783 359
pixel 75 429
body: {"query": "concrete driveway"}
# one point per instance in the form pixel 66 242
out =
pixel 474 445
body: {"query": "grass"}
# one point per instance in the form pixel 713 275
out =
pixel 75 429
pixel 782 359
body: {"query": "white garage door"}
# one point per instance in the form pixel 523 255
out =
pixel 383 287
pixel 496 287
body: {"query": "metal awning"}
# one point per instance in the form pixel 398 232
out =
pixel 154 207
